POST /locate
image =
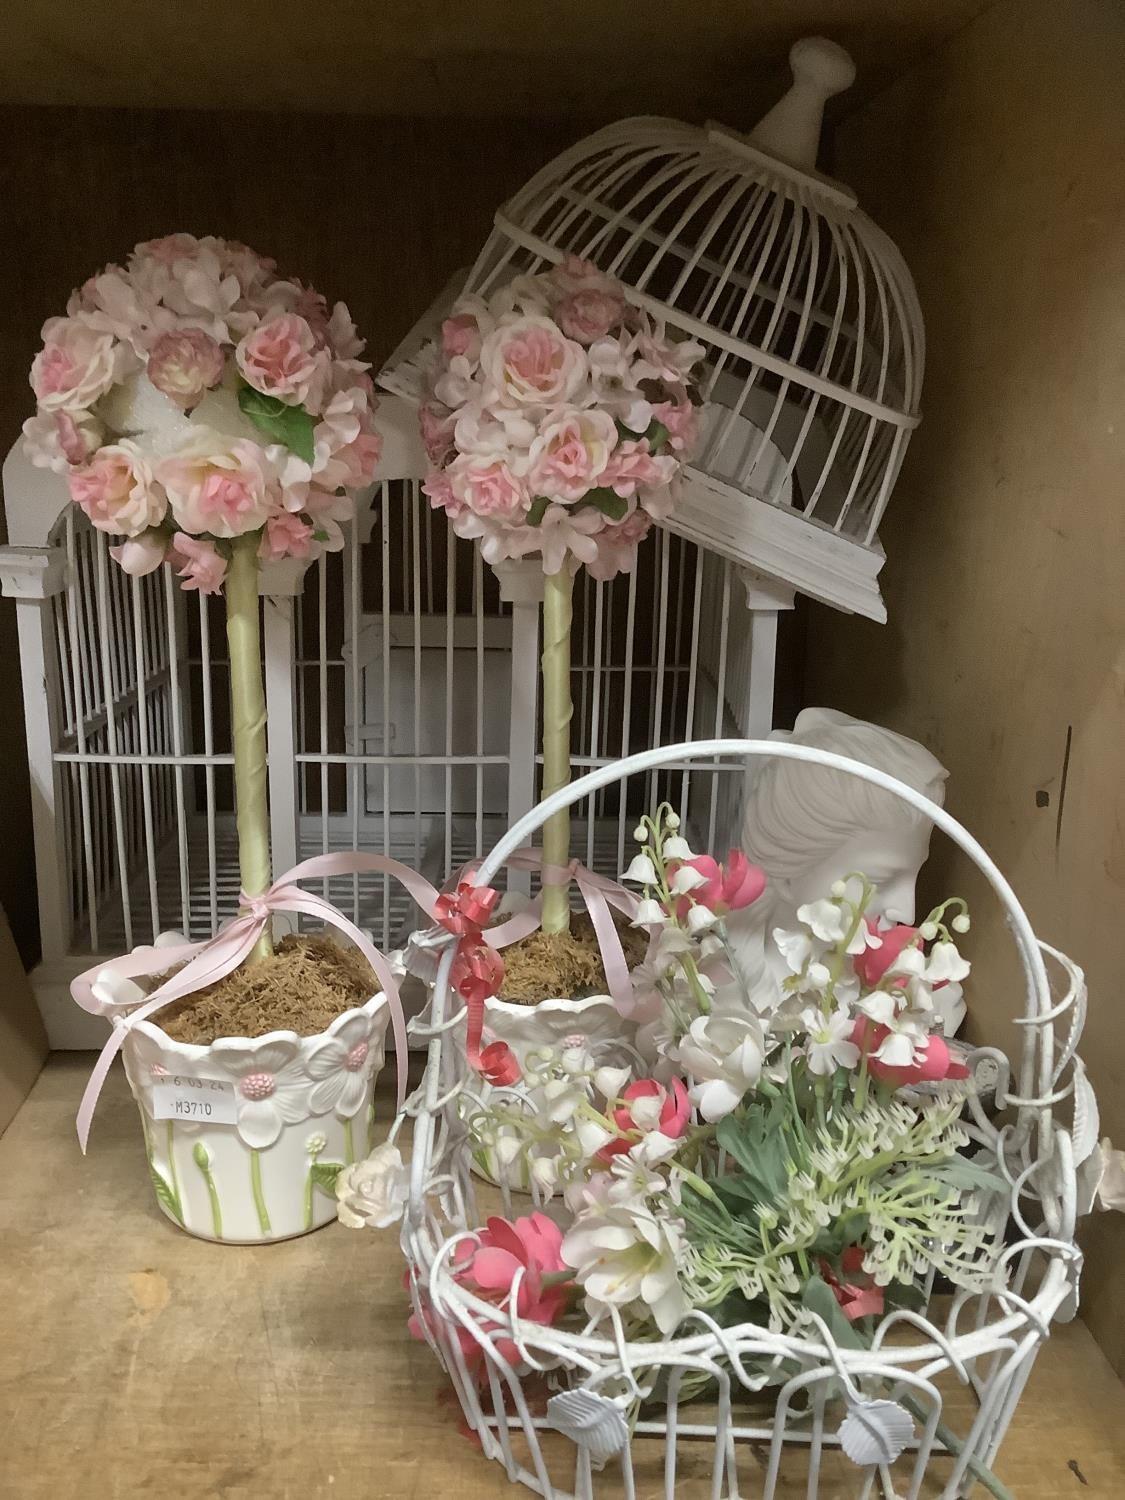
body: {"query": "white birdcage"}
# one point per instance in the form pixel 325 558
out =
pixel 807 311
pixel 401 683
pixel 734 1411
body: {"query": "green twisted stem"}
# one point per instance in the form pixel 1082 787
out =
pixel 558 710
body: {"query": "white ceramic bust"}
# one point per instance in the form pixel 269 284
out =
pixel 808 826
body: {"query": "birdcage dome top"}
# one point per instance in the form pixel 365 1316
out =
pixel 806 310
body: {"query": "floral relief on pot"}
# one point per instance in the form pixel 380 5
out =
pixel 303 1110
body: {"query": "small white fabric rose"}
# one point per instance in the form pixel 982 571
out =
pixel 373 1193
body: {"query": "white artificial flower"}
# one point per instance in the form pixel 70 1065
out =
pixel 945 965
pixel 592 1136
pixel 700 919
pixel 686 879
pixel 653 1148
pixel 374 1192
pixel 678 848
pixel 796 948
pixel 829 1046
pixel 826 920
pixel 545 1174
pixel 672 821
pixel 625 1257
pixel 723 1054
pixel 649 912
pixel 641 871
pixel 611 1082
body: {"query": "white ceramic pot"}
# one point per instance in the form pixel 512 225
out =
pixel 304 1108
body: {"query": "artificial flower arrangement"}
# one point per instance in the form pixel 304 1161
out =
pixel 758 1165
pixel 557 417
pixel 216 416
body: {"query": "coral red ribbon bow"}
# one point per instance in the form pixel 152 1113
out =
pixel 478 971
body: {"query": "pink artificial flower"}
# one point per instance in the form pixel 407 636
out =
pixel 170 248
pixel 873 964
pixel 488 489
pixel 281 358
pixel 859 1296
pixel 440 493
pixel 529 362
pixel 590 314
pixel 61 440
pixel 118 491
pixel 77 364
pixel 617 545
pixel 933 1061
pixel 78 434
pixel 204 567
pixel 569 457
pixel 649 1106
pixel 460 336
pixel 141 554
pixel 632 466
pixel 184 363
pixel 359 459
pixel 528 1248
pixel 285 535
pixel 729 888
pixel 437 423
pixel 218 485
pixel 682 422
pixel 573 274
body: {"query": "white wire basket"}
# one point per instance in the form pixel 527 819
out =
pixel 589 1413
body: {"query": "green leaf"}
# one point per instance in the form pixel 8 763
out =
pixel 165 1195
pixel 608 501
pixel 962 1173
pixel 657 435
pixel 325 1173
pixel 291 425
pixel 538 510
pixel 818 1297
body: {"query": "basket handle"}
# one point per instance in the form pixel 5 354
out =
pixel 1038 1000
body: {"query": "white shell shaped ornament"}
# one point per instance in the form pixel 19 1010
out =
pixel 875 1432
pixel 595 1422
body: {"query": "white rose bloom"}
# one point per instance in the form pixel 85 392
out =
pixel 723 1053
pixel 374 1192
pixel 625 1257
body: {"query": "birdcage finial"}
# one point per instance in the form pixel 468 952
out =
pixel 791 129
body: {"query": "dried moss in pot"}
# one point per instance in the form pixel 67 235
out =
pixel 303 986
pixel 550 965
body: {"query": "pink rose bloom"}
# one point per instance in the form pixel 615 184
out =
pixel 873 964
pixel 170 248
pixel 440 493
pixel 529 1248
pixel 437 423
pixel 184 363
pixel 617 545
pixel 729 888
pixel 204 567
pixel 285 535
pixel 649 1106
pixel 60 440
pixel 933 1061
pixel 76 365
pixel 682 422
pixel 573 274
pixel 589 315
pixel 859 1295
pixel 359 459
pixel 569 457
pixel 218 485
pixel 460 335
pixel 142 554
pixel 118 491
pixel 281 358
pixel 632 467
pixel 488 489
pixel 529 362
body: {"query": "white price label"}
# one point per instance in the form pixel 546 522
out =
pixel 206 1101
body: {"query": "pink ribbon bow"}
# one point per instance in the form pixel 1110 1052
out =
pixel 477 972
